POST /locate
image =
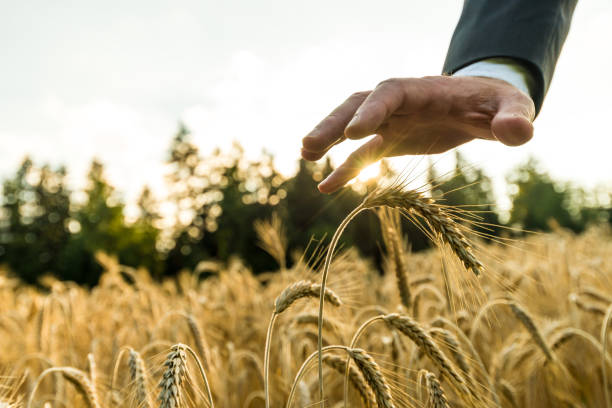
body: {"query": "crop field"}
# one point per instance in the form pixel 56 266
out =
pixel 513 323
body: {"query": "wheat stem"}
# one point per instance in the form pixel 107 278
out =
pixel 328 259
pixel 604 346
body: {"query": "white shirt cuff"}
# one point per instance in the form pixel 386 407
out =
pixel 506 69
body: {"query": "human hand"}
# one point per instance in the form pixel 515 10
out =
pixel 420 116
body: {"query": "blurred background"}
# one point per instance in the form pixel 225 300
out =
pixel 159 132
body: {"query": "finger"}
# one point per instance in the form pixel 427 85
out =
pixel 314 156
pixel 368 153
pixel 513 123
pixel 378 106
pixel 331 129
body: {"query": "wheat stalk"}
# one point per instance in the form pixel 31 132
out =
pixel 302 289
pixel 292 293
pixel 604 344
pixel 273 238
pixel 588 307
pixel 419 336
pixel 372 375
pixel 508 392
pixel 77 377
pixel 391 232
pixel 367 366
pixel 355 376
pixel 450 340
pixel 93 372
pixel 138 375
pixel 440 221
pixel 358 333
pixel 420 292
pixel 313 319
pixel 436 393
pixel 409 202
pixel 527 321
pixel 173 377
pixel 200 344
pixel 596 294
pixel 522 316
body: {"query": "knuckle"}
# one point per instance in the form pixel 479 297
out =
pixel 330 120
pixel 360 95
pixel 389 82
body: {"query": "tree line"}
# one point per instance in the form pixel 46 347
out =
pixel 48 229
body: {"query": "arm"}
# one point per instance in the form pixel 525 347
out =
pixel 531 32
pixel 485 100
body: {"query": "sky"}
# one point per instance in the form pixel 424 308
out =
pixel 113 79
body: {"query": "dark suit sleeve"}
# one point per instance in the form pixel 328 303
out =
pixel 529 31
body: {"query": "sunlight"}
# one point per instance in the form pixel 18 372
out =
pixel 370 172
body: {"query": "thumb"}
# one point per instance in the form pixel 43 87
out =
pixel 513 123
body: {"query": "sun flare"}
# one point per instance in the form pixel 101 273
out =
pixel 370 172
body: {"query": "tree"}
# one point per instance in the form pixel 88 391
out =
pixel 100 225
pixel 468 188
pixel 35 215
pixel 536 199
pixel 216 197
pixel 141 249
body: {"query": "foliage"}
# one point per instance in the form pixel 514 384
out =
pixel 48 229
pixel 537 200
pixel 471 189
pixel 35 212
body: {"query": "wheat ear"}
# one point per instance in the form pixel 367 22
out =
pixel 439 220
pixel 366 365
pixel 441 321
pixel 450 340
pixel 596 294
pixel 173 377
pixel 508 392
pixel 588 307
pixel 292 293
pixel 352 345
pixel 391 232
pixel 417 334
pixel 436 393
pixel 77 377
pixel 373 376
pixel 302 289
pixel 604 344
pixel 138 375
pixel 522 316
pixel 200 344
pixel 355 376
pixel 196 333
pixel 527 321
pixel 304 366
pixel 93 372
pixel 273 238
pixel 409 203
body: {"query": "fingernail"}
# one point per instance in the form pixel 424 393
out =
pixel 309 138
pixel 354 120
pixel 321 186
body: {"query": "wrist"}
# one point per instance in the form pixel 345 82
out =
pixel 505 69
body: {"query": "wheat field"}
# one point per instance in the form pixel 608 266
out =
pixel 515 323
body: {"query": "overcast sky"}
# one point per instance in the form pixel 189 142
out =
pixel 112 79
